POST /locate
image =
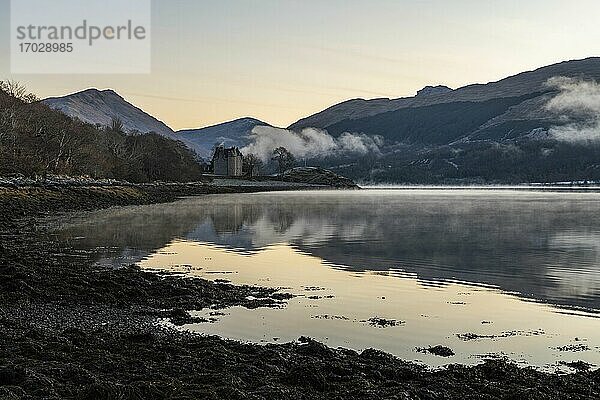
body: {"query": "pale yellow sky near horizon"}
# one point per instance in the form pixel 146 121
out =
pixel 281 60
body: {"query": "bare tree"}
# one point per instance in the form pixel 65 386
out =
pixel 17 91
pixel 252 164
pixel 61 149
pixel 285 160
pixel 116 125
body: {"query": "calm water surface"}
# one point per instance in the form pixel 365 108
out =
pixel 520 270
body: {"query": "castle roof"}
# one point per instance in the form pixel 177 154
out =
pixel 222 152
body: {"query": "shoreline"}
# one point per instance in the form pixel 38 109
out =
pixel 70 330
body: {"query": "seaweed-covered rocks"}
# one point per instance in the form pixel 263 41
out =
pixel 319 176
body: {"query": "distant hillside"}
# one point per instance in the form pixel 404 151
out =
pixel 519 85
pixel 233 133
pixel 99 107
pixel 499 132
pixel 434 124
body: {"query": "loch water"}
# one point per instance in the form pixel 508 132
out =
pixel 488 273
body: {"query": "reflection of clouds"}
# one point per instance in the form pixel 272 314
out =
pixel 354 232
pixel 588 241
pixel 302 230
pixel 577 267
pixel 574 284
pixel 262 223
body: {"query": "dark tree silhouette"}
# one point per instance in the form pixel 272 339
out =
pixel 18 91
pixel 116 125
pixel 252 165
pixel 284 159
pixel 36 140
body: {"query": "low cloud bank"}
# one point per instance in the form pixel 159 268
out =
pixel 309 143
pixel 578 101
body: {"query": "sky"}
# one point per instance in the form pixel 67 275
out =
pixel 281 60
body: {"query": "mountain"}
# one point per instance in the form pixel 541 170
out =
pixel 99 107
pixel 516 86
pixel 500 132
pixel 432 90
pixel 233 133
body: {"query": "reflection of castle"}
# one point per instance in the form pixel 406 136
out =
pixel 227 161
pixel 231 217
pixel 228 219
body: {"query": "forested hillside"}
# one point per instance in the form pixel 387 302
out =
pixel 436 124
pixel 35 141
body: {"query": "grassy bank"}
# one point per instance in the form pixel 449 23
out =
pixel 69 329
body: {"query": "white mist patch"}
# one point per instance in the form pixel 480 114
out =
pixel 309 143
pixel 578 100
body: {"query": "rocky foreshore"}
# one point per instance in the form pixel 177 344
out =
pixel 69 329
pixel 22 197
pixel 318 176
pixel 294 178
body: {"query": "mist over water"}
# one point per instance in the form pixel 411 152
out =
pixel 521 268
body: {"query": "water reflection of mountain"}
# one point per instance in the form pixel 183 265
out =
pixel 543 246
